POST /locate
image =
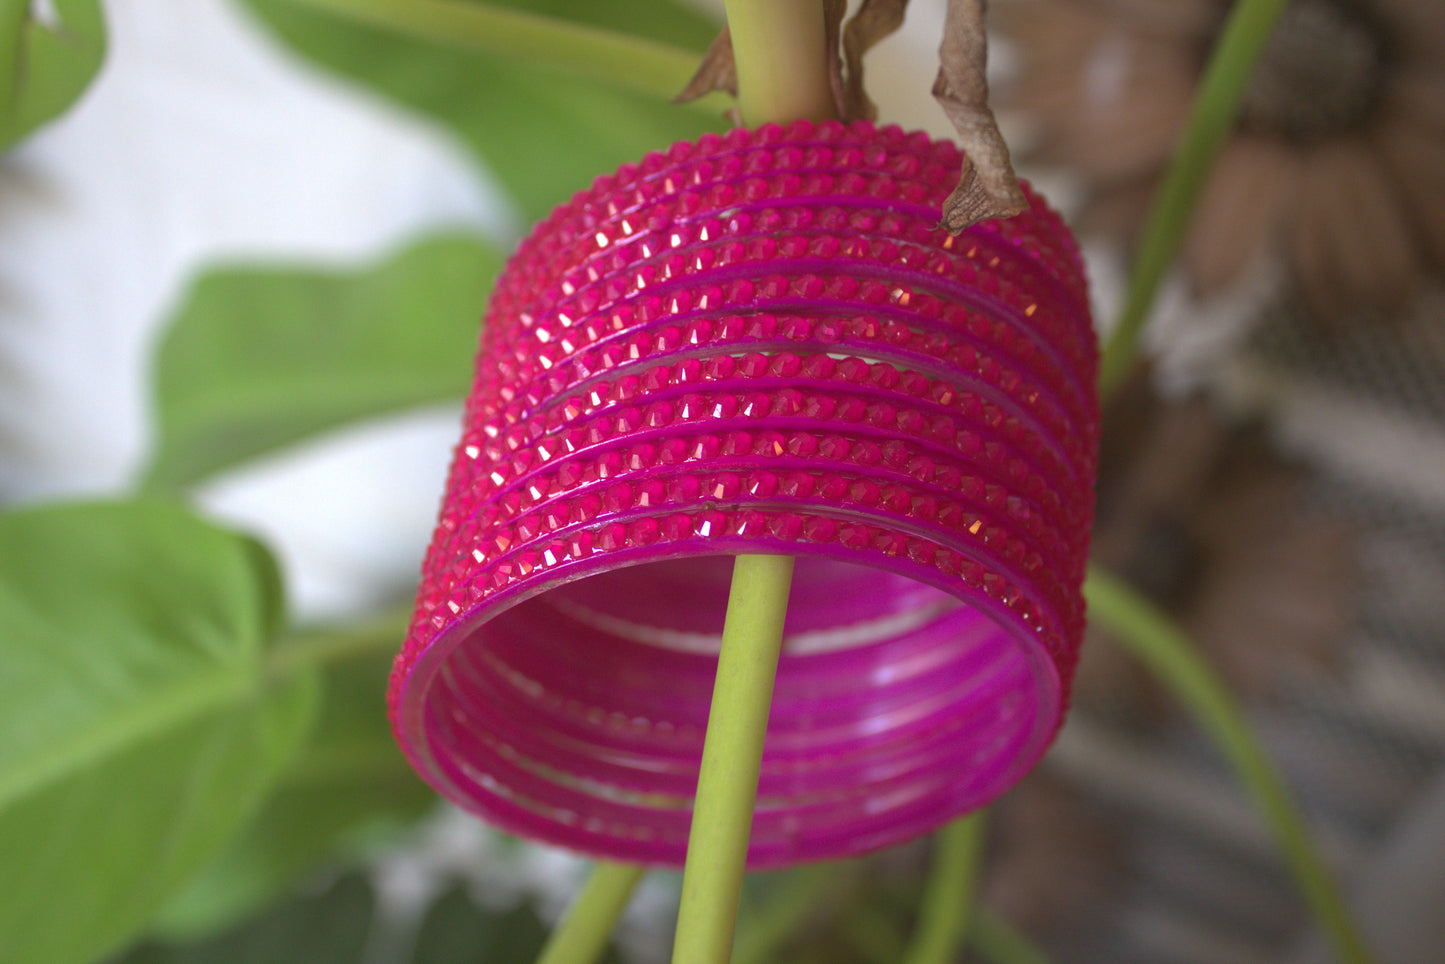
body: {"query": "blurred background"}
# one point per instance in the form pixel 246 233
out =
pixel 1275 477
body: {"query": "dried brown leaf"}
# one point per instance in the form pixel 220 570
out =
pixel 1415 157
pixel 833 13
pixel 718 71
pixel 874 20
pixel 988 188
pixel 1247 194
pixel 1352 249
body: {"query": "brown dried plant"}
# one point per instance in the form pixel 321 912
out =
pixel 988 187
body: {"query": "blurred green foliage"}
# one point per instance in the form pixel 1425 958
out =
pixel 178 759
pixel 48 57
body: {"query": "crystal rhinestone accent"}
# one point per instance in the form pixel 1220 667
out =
pixel 761 342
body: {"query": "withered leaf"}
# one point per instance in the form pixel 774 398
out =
pixel 833 13
pixel 988 188
pixel 718 71
pixel 874 20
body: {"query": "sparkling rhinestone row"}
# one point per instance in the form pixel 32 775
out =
pixel 762 338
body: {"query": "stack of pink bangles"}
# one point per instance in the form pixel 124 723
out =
pixel 761 342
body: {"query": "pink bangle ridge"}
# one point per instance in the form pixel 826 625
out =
pixel 761 342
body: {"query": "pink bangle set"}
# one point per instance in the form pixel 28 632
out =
pixel 761 343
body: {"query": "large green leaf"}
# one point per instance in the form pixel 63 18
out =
pixel 328 928
pixel 45 63
pixel 349 788
pixel 542 133
pixel 257 358
pixel 140 724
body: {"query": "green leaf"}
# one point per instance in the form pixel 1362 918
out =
pixel 586 52
pixel 259 358
pixel 141 727
pixel 457 931
pixel 542 133
pixel 330 928
pixel 45 66
pixel 350 788
pixel 333 928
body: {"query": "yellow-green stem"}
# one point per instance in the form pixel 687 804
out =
pixel 781 52
pixel 943 919
pixel 312 647
pixel 717 844
pixel 586 931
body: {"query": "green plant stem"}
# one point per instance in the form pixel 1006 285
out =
pixel 320 647
pixel 1153 638
pixel 948 896
pixel 1213 113
pixel 1000 943
pixel 609 57
pixel 781 51
pixel 717 844
pixel 583 935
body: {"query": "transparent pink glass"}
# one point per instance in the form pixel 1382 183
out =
pixel 761 343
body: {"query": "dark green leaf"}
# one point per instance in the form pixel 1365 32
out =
pixel 260 358
pixel 457 931
pixel 544 135
pixel 45 65
pixel 351 786
pixel 141 729
pixel 330 928
pixel 334 927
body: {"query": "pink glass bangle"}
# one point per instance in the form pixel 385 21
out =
pixel 761 343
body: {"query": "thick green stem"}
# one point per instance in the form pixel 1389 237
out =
pixel 1209 123
pixel 717 844
pixel 780 48
pixel 618 60
pixel 322 647
pixel 943 919
pixel 587 929
pixel 1153 638
pixel 781 55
